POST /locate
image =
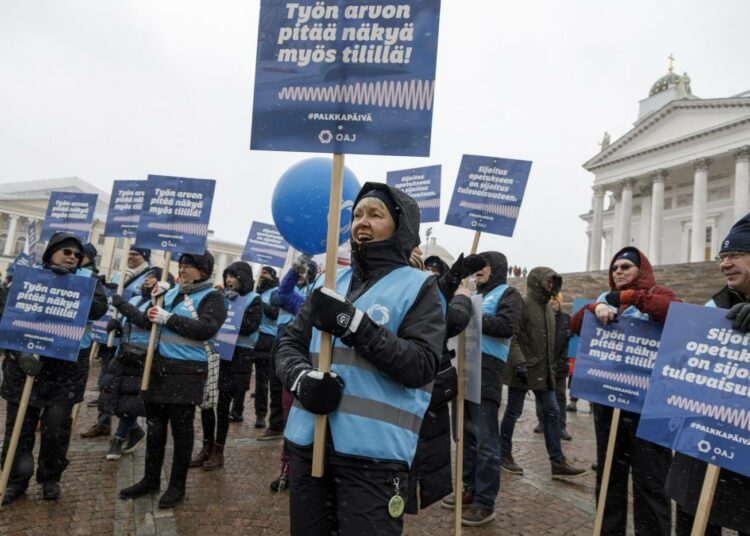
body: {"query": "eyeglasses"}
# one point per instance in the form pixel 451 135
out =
pixel 68 252
pixel 731 255
pixel 623 267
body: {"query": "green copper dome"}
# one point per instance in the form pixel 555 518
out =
pixel 663 83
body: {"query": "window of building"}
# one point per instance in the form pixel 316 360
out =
pixel 120 243
pixel 20 245
pixel 3 240
pixel 100 240
pixel 667 203
pixel 684 200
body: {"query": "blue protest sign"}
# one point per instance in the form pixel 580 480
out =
pixel 699 400
pixel 265 245
pixel 46 313
pixel 70 212
pixel 31 241
pixel 423 185
pixel 226 338
pixel 125 206
pixel 614 361
pixel 338 77
pixel 22 259
pixel 578 304
pixel 488 194
pixel 99 327
pixel 175 214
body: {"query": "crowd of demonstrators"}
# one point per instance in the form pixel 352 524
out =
pixel 234 375
pixel 561 368
pixel 387 323
pixel 58 386
pixel 633 292
pixel 181 378
pixel 532 367
pixel 138 265
pixel 685 478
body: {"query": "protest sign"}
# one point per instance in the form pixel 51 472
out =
pixel 265 245
pixel 473 360
pixel 578 304
pixel 71 212
pixel 46 313
pixel 31 241
pixel 125 206
pixel 423 185
pixel 488 193
pixel 175 214
pixel 99 327
pixel 226 338
pixel 22 259
pixel 614 361
pixel 342 77
pixel 699 400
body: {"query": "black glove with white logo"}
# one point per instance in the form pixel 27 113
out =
pixel 319 392
pixel 332 312
pixel 522 374
pixel 117 301
pixel 740 317
pixel 465 266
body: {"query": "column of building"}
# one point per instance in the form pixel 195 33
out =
pixel 10 241
pixel 657 216
pixel 595 240
pixel 741 182
pixel 700 200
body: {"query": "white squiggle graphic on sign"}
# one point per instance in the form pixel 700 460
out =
pixel 187 228
pixel 734 416
pixel 407 94
pixel 507 211
pixel 621 377
pixel 61 330
pixel 430 203
pixel 70 226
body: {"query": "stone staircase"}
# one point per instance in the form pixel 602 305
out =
pixel 692 282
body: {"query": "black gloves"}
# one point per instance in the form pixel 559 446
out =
pixel 522 375
pixel 275 300
pixel 114 324
pixel 59 270
pixel 117 300
pixel 465 266
pixel 319 392
pixel 331 312
pixel 29 363
pixel 740 317
pixel 613 298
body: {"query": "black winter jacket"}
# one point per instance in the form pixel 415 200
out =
pixel 685 480
pixel 504 324
pixel 242 358
pixel 411 356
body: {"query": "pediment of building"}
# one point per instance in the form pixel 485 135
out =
pixel 677 122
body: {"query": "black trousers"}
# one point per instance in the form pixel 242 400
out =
pixel 684 525
pixel 262 376
pixel 158 418
pixel 560 396
pixel 217 420
pixel 53 447
pixel 276 419
pixel 346 501
pixel 647 462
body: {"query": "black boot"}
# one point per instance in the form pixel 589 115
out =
pixel 13 492
pixel 172 497
pixel 144 487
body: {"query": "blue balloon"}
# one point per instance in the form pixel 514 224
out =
pixel 300 204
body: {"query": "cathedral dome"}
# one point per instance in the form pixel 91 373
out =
pixel 665 82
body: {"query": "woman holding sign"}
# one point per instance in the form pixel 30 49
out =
pixel 193 313
pixel 634 293
pixel 58 386
pixel 388 325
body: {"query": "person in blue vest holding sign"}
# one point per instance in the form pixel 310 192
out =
pixel 192 314
pixel 234 375
pixel 121 384
pixel 729 508
pixel 58 386
pixel 388 327
pixel 502 312
pixel 633 292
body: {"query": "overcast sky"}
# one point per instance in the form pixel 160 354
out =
pixel 116 89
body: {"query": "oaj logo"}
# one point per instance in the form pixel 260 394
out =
pixel 379 314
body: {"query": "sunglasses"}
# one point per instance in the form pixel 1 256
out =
pixel 623 267
pixel 68 252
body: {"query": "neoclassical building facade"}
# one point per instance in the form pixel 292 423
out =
pixel 676 182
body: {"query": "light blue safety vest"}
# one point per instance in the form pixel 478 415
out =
pixel 132 333
pixel 176 346
pixel 494 346
pixel 379 417
pixel 247 341
pixel 631 311
pixel 87 338
pixel 268 325
pixel 134 288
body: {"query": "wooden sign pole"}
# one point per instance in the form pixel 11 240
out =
pixel 155 328
pixel 332 251
pixel 15 436
pixel 460 394
pixel 120 286
pixel 602 500
pixel 703 511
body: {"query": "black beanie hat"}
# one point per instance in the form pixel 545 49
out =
pixel 89 250
pixel 157 272
pixel 738 238
pixel 433 261
pixel 270 269
pixel 631 255
pixel 203 262
pixel 143 252
pixel 387 200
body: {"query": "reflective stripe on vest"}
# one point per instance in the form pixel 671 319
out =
pixel 248 341
pixel 136 335
pixel 494 346
pixel 175 346
pixel 87 339
pixel 267 325
pixel 379 417
pixel 631 311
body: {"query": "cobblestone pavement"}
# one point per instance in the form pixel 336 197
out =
pixel 237 499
